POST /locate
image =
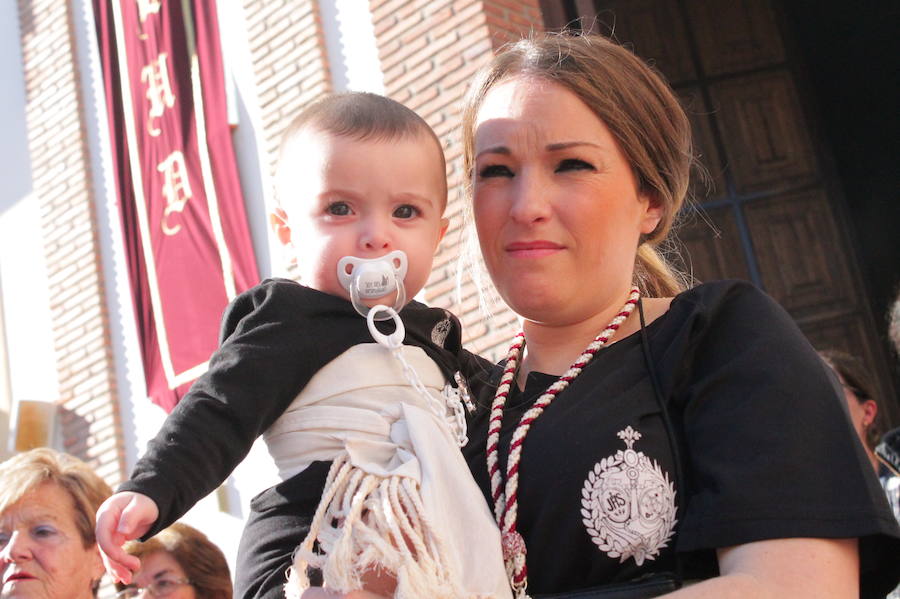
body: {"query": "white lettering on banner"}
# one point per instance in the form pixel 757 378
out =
pixel 176 188
pixel 159 91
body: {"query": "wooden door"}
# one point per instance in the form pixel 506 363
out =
pixel 771 214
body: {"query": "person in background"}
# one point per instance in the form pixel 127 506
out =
pixel 178 563
pixel 47 546
pixel 860 398
pixel 859 392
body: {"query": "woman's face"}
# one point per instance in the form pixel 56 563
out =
pixel 165 571
pixel 42 553
pixel 556 204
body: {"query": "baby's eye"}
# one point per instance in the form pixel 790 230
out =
pixel 574 164
pixel 4 538
pixel 406 211
pixel 495 170
pixel 338 209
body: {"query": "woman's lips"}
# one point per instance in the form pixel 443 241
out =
pixel 532 249
pixel 18 576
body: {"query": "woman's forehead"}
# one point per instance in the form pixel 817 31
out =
pixel 47 502
pixel 534 112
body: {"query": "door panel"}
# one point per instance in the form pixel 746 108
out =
pixel 791 236
pixel 764 132
pixel 734 35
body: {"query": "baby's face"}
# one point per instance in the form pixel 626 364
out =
pixel 346 197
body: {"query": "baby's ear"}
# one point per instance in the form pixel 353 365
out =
pixel 278 220
pixel 445 224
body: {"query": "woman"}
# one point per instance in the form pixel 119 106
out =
pixel 47 546
pixel 860 399
pixel 695 436
pixel 178 563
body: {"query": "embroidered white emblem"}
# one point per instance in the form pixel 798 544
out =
pixel 628 504
pixel 440 331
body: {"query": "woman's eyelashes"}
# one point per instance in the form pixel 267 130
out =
pixel 574 164
pixel 565 165
pixel 494 170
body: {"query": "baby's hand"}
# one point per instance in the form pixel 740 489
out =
pixel 123 517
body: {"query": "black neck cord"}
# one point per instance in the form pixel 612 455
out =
pixel 670 430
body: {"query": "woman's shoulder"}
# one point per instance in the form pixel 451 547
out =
pixel 712 294
pixel 720 302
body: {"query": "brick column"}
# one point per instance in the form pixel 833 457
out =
pixel 287 48
pixel 88 408
pixel 429 51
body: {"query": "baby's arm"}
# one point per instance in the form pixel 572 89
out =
pixel 124 516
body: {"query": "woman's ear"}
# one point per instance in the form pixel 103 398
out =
pixel 97 567
pixel 278 220
pixel 870 412
pixel 653 213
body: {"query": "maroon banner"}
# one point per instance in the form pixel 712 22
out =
pixel 187 243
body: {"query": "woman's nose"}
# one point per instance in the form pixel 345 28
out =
pixel 530 203
pixel 16 548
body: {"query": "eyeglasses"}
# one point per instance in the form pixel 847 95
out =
pixel 159 588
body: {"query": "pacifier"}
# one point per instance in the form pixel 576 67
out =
pixel 371 278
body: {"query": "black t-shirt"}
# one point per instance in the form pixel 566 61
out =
pixel 273 339
pixel 766 451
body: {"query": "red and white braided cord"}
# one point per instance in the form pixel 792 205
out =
pixel 505 500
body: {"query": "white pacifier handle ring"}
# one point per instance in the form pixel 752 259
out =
pixel 395 339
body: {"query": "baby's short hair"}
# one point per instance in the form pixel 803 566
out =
pixel 361 116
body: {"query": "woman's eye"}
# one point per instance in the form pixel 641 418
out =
pixel 574 164
pixel 44 531
pixel 495 170
pixel 406 211
pixel 338 209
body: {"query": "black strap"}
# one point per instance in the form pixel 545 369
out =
pixel 667 423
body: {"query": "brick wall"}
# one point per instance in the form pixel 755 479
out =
pixel 290 62
pixel 429 51
pixel 88 408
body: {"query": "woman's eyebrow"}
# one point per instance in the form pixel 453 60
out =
pixel 494 150
pixel 565 145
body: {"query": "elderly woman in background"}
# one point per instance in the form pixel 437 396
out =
pixel 47 545
pixel 178 563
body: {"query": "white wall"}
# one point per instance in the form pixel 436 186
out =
pixel 23 292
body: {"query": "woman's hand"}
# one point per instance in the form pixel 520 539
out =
pixel 796 568
pixel 123 517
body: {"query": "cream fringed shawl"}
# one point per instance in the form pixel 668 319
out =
pixel 399 496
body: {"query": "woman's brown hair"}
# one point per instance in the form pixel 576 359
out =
pixel 632 100
pixel 203 563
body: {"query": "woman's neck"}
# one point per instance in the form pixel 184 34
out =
pixel 552 348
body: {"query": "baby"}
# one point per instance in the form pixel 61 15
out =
pixel 375 493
